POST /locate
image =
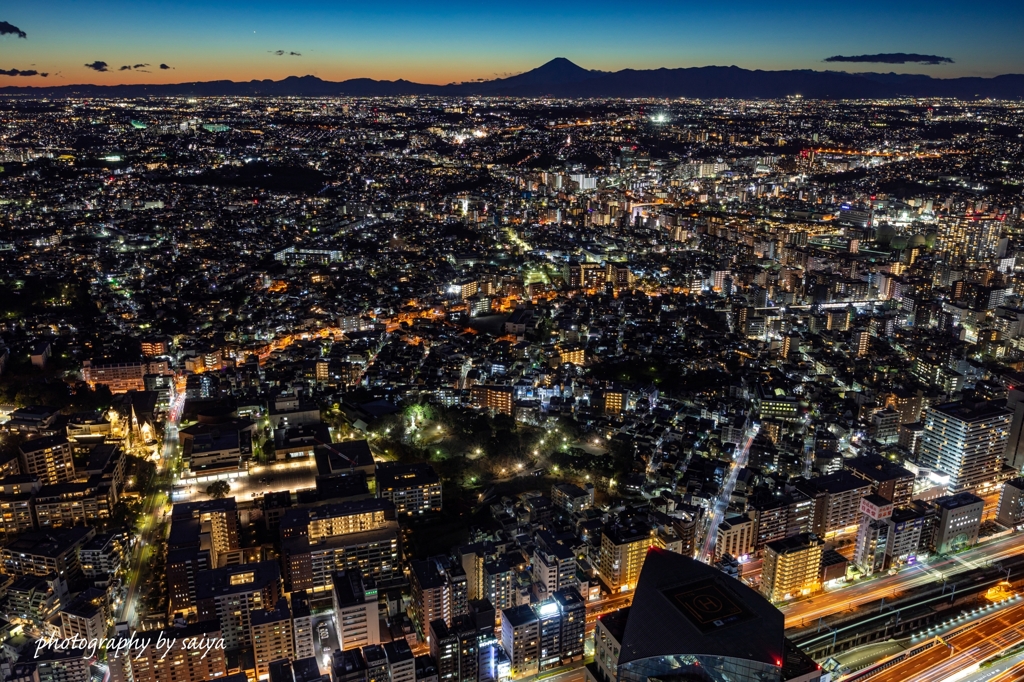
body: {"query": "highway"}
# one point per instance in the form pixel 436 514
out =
pixel 1011 670
pixel 961 653
pixel 806 611
pixel 711 534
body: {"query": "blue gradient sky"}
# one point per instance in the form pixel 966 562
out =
pixel 441 42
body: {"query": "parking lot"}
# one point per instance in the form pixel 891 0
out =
pixel 324 648
pixel 297 475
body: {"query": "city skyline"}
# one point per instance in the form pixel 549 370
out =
pixel 501 343
pixel 71 42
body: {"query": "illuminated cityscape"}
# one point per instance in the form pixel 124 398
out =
pixel 571 375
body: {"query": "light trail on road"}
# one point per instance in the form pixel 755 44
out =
pixel 960 653
pixel 152 514
pixel 805 612
pixel 723 500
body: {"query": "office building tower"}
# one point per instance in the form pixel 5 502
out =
pixel 958 522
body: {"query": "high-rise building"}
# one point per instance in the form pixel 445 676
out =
pixel 499 583
pixel 491 397
pixel 48 457
pixel 624 546
pixel 413 488
pixel 887 478
pixel 545 635
pixel 782 516
pixel 966 441
pixel 219 518
pixel 958 522
pixel 439 591
pixel 906 526
pixel 836 500
pixel 318 542
pixel 302 625
pixel 38 553
pixel 792 567
pixel 1011 504
pixel 85 615
pixel 736 537
pixel 861 342
pixel 455 649
pixel 356 614
pixel 553 564
pixel 272 636
pixel 873 534
pixel 691 621
pixel 401 662
pixel 178 664
pixel 230 594
pixel 1014 453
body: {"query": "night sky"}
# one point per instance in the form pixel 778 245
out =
pixel 442 42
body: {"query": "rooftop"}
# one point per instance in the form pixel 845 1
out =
pixel 682 606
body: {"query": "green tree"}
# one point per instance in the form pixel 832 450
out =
pixel 218 489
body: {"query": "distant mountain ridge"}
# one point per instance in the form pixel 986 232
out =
pixel 562 78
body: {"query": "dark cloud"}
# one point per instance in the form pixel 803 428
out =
pixel 11 30
pixel 140 66
pixel 123 68
pixel 18 72
pixel 892 58
pixel 164 67
pixel 281 53
pixel 98 66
